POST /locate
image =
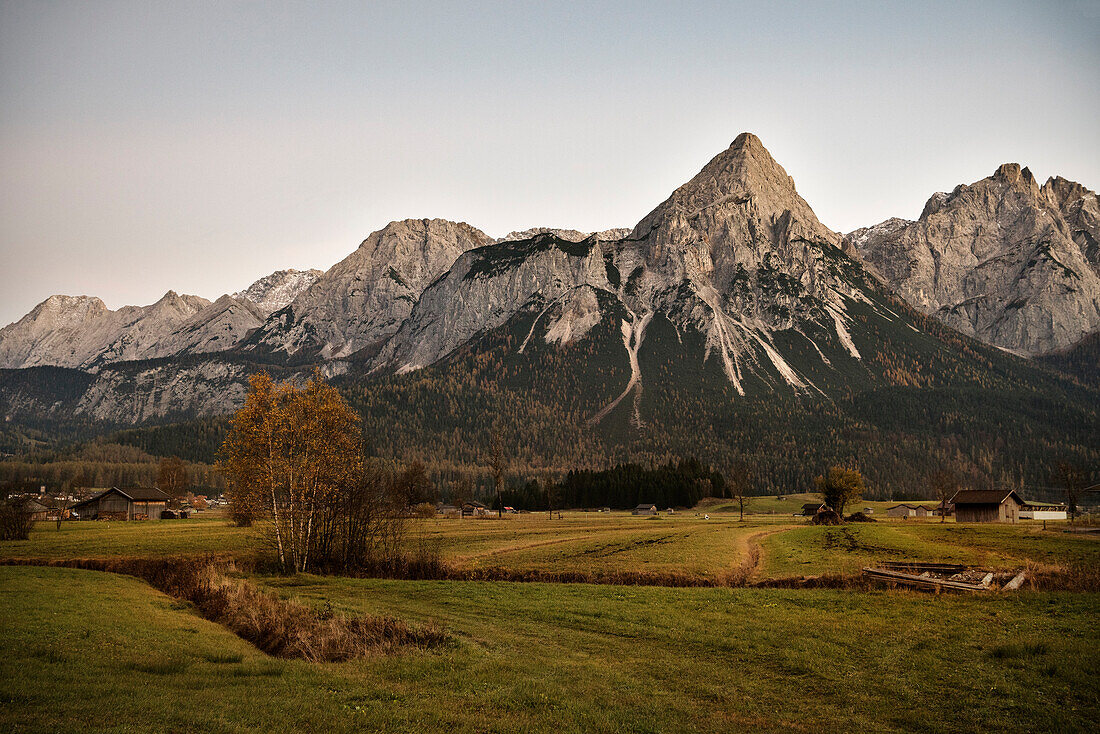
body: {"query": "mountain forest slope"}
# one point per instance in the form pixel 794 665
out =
pixel 729 324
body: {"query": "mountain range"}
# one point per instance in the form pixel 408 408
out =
pixel 729 302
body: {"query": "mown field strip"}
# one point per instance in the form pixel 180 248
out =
pixel 552 658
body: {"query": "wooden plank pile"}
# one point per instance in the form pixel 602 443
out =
pixel 937 576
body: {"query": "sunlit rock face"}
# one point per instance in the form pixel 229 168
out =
pixel 363 300
pixel 80 331
pixel 1004 260
pixel 735 255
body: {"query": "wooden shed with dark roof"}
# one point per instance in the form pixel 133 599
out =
pixel 987 505
pixel 132 503
pixel 812 508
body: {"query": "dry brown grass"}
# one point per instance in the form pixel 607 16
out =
pixel 1048 577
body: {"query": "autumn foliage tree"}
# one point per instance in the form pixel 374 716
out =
pixel 1071 478
pixel 738 484
pixel 945 485
pixel 497 464
pixel 173 476
pixel 292 454
pixel 839 486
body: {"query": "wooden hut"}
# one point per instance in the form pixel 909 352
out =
pixel 987 505
pixel 133 503
pixel 944 508
pixel 474 509
pixel 37 510
pixel 902 511
pixel 645 509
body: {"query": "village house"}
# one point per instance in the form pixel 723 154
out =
pixel 645 509
pixel 909 511
pixel 133 503
pixel 987 505
pixel 812 508
pixel 474 509
pixel 36 509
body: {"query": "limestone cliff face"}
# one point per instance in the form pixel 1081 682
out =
pixel 79 331
pixel 1081 210
pixel 278 290
pixel 734 260
pixel 735 254
pixel 216 328
pixel 1004 260
pixel 569 235
pixel 363 300
pixel 485 288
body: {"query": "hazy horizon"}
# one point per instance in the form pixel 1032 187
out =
pixel 199 146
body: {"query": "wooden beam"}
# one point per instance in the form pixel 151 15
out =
pixel 908 579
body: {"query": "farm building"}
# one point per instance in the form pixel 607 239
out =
pixel 474 509
pixel 987 505
pixel 944 508
pixel 901 511
pixel 133 503
pixel 909 511
pixel 36 510
pixel 812 508
pixel 1043 511
pixel 645 510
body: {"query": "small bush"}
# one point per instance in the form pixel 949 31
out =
pixel 16 520
pixel 424 510
pixel 859 517
pixel 827 517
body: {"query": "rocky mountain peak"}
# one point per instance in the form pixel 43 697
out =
pixel 362 300
pixel 999 259
pixel 745 177
pixel 1019 178
pixel 430 234
pixel 61 304
pixel 278 290
pixel 181 307
pixel 731 258
pixel 1062 192
pixel 570 235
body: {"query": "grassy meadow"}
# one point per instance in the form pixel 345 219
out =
pixel 567 657
pixel 551 657
pixel 776 546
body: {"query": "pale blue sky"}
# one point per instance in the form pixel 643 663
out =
pixel 198 146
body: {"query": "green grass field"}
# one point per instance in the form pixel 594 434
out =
pixel 567 657
pixel 603 542
pixel 156 538
pixel 82 650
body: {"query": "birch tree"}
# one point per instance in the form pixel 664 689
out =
pixel 292 451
